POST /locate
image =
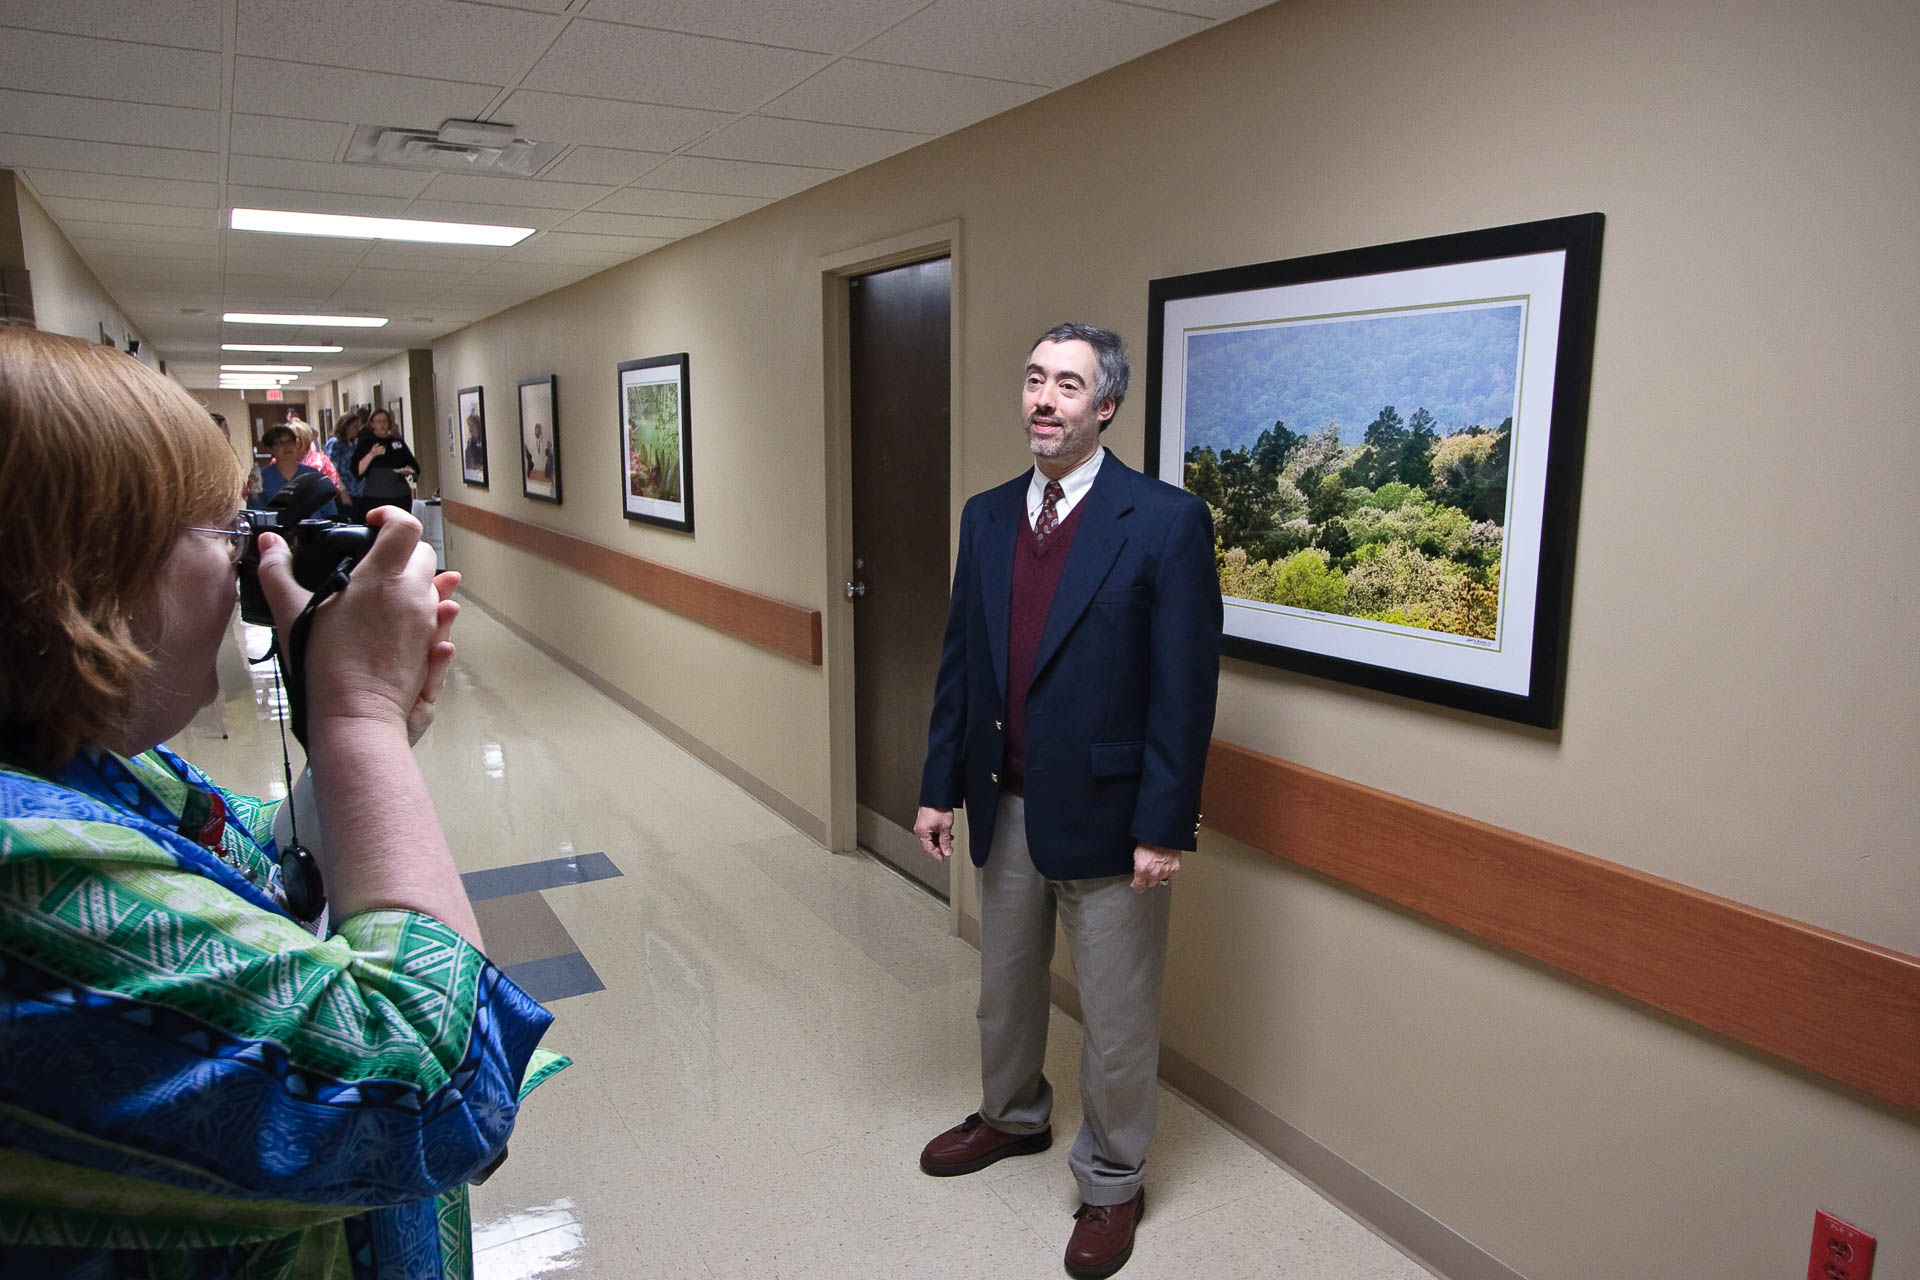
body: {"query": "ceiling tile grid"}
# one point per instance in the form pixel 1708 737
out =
pixel 139 126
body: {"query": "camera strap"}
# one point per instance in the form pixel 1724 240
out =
pixel 300 880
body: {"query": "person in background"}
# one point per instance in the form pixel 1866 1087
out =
pixel 197 1082
pixel 312 457
pixel 385 465
pixel 340 453
pixel 283 443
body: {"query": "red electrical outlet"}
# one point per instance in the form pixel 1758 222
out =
pixel 1841 1251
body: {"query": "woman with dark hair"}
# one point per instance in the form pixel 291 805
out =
pixel 384 464
pixel 194 1082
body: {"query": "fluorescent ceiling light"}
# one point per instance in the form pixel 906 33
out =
pixel 321 322
pixel 358 228
pixel 271 346
pixel 288 369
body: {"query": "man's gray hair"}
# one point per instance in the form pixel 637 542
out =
pixel 1112 351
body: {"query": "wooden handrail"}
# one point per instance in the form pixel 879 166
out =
pixel 784 628
pixel 1836 1005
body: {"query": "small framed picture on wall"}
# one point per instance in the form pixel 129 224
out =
pixel 540 438
pixel 656 442
pixel 472 412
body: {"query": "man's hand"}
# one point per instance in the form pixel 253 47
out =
pixel 935 829
pixel 1153 866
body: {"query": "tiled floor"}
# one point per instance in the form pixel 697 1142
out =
pixel 779 1029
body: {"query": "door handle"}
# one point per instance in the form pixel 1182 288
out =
pixel 855 590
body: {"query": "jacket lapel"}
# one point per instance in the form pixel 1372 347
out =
pixel 1004 515
pixel 1095 546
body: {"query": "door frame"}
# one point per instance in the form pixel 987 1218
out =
pixel 942 240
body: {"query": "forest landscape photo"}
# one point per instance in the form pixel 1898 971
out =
pixel 1358 466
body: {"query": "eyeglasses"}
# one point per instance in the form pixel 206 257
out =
pixel 242 529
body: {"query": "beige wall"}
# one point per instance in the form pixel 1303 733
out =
pixel 67 297
pixel 1740 695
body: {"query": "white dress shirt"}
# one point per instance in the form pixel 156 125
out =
pixel 1073 487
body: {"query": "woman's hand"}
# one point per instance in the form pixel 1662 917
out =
pixel 379 650
pixel 439 657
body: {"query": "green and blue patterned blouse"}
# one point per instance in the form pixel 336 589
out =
pixel 193 1085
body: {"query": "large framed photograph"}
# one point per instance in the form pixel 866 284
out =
pixel 398 408
pixel 540 438
pixel 471 409
pixel 1390 440
pixel 656 442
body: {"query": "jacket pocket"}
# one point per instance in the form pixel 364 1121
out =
pixel 1117 759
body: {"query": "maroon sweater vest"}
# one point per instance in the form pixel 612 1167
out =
pixel 1037 567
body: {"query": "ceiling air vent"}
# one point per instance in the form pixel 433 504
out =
pixel 458 146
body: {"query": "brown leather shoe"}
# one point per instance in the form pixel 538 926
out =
pixel 1103 1237
pixel 973 1144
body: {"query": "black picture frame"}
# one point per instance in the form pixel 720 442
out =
pixel 540 400
pixel 470 414
pixel 656 487
pixel 1228 348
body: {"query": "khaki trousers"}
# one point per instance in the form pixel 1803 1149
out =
pixel 1118 941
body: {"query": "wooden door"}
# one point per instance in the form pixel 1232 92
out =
pixel 900 377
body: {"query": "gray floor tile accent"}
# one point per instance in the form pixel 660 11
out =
pixel 530 877
pixel 556 978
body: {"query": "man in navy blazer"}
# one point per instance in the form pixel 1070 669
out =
pixel 1071 717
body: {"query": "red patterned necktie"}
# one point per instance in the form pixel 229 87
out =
pixel 1049 511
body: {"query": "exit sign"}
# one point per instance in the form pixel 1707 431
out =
pixel 274 393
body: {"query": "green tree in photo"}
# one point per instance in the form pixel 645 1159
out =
pixel 1416 455
pixel 1309 581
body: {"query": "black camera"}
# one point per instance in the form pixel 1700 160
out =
pixel 319 546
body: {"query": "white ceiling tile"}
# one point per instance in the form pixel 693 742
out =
pixel 882 96
pixel 679 204
pixel 797 24
pixel 90 67
pixel 286 138
pixel 605 165
pixel 824 146
pixel 1220 10
pixel 102 186
pixel 146 215
pixel 1051 42
pixel 521 191
pixel 538 6
pixel 394 254
pixel 362 179
pixel 269 87
pixel 187 24
pixel 633 224
pixel 431 37
pixel 247 197
pixel 559 117
pixel 21 152
pixel 248 252
pixel 497 215
pixel 662 67
pixel 54 115
pixel 573 246
pixel 86 235
pixel 735 177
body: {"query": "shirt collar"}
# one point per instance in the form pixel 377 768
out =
pixel 1073 485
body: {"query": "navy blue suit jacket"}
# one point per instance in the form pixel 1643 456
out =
pixel 1120 711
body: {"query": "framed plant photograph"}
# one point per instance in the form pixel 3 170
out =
pixel 1390 441
pixel 656 442
pixel 397 407
pixel 471 409
pixel 540 438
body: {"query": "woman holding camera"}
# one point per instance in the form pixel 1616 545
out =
pixel 384 464
pixel 191 1081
